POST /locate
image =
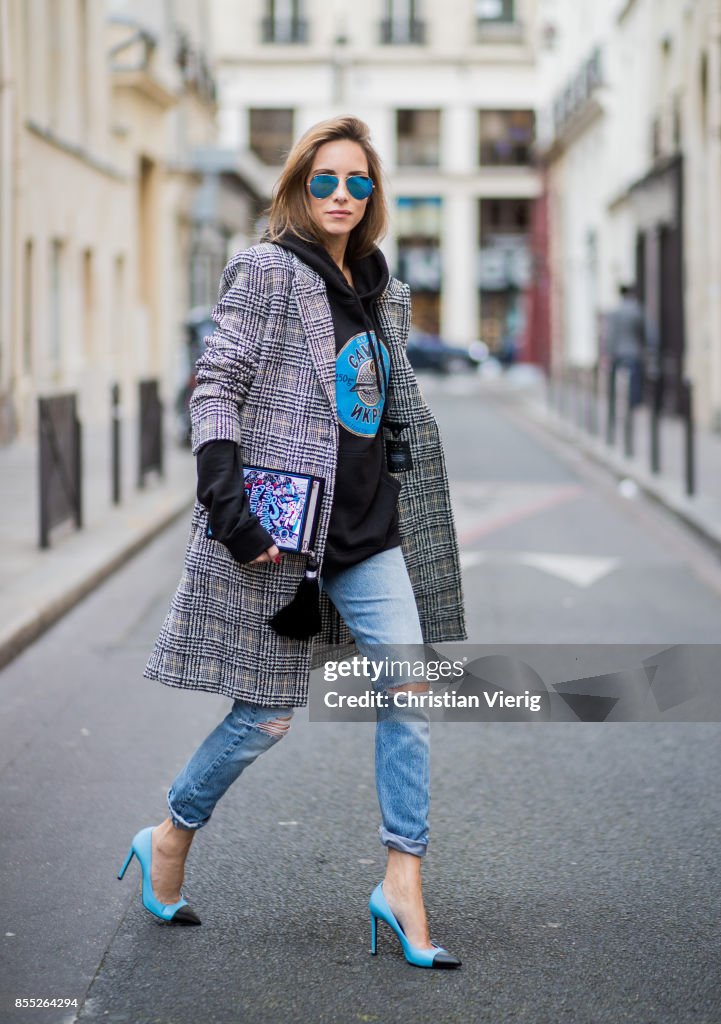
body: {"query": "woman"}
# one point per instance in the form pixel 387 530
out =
pixel 306 370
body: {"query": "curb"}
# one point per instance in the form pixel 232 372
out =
pixel 38 622
pixel 680 508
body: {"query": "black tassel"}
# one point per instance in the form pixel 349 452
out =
pixel 301 618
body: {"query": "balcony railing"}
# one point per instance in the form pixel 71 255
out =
pixel 274 30
pixel 401 33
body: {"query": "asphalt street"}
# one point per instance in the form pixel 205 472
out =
pixel 573 867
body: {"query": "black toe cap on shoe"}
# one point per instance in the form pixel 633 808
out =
pixel 184 915
pixel 446 961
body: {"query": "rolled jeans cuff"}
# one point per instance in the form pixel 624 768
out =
pixel 414 846
pixel 179 822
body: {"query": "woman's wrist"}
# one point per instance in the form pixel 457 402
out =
pixel 248 541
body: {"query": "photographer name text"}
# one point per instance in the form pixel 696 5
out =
pixel 429 699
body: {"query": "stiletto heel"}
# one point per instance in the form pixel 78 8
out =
pixel 124 868
pixel 436 957
pixel 173 913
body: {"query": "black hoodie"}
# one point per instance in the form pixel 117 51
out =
pixel 364 517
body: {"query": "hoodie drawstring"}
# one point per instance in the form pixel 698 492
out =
pixel 375 349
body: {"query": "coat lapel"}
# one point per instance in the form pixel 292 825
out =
pixel 394 312
pixel 317 321
pixel 314 309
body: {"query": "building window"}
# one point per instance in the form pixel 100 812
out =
pixel 28 307
pixel 284 22
pixel 146 233
pixel 55 304
pixel 418 233
pixel 88 284
pixel 656 144
pixel 495 10
pixel 83 70
pixel 53 80
pixel 504 217
pixel 506 137
pixel 117 329
pixel 677 123
pixel 504 273
pixel 401 24
pixel 418 133
pixel 271 134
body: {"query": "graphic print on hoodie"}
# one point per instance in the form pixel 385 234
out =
pixel 358 399
pixel 364 517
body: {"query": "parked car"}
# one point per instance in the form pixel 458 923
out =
pixel 429 352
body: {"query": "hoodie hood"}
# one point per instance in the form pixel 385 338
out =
pixel 370 277
pixel 370 274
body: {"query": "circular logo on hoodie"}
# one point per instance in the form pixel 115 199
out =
pixel 360 405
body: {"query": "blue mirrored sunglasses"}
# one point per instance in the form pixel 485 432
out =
pixel 323 185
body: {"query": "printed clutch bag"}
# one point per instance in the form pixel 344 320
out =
pixel 287 505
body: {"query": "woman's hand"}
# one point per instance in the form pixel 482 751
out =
pixel 271 554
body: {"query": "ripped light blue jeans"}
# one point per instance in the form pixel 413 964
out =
pixel 376 601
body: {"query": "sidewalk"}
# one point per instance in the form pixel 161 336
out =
pixel 38 586
pixel 701 512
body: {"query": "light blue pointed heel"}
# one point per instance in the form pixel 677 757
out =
pixel 437 957
pixel 173 913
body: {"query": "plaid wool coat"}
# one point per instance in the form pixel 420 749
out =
pixel 266 380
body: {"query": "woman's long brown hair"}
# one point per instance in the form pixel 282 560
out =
pixel 290 206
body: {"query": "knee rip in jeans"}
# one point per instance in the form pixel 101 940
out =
pixel 419 687
pixel 276 726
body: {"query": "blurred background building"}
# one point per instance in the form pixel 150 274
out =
pixel 449 92
pixel 629 141
pixel 540 153
pixel 116 206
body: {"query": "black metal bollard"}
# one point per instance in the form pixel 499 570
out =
pixel 588 399
pixel 570 393
pixel 687 405
pixel 579 378
pixel 60 464
pixel 586 412
pixel 150 447
pixel 115 442
pixel 656 383
pixel 78 438
pixel 161 441
pixel 611 412
pixel 628 445
pixel 593 406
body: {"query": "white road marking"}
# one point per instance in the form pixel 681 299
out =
pixel 581 570
pixel 470 558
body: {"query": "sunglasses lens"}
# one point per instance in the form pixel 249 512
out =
pixel 323 185
pixel 359 186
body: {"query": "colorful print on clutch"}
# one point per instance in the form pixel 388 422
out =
pixel 287 505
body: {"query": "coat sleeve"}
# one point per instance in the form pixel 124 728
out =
pixel 230 520
pixel 226 369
